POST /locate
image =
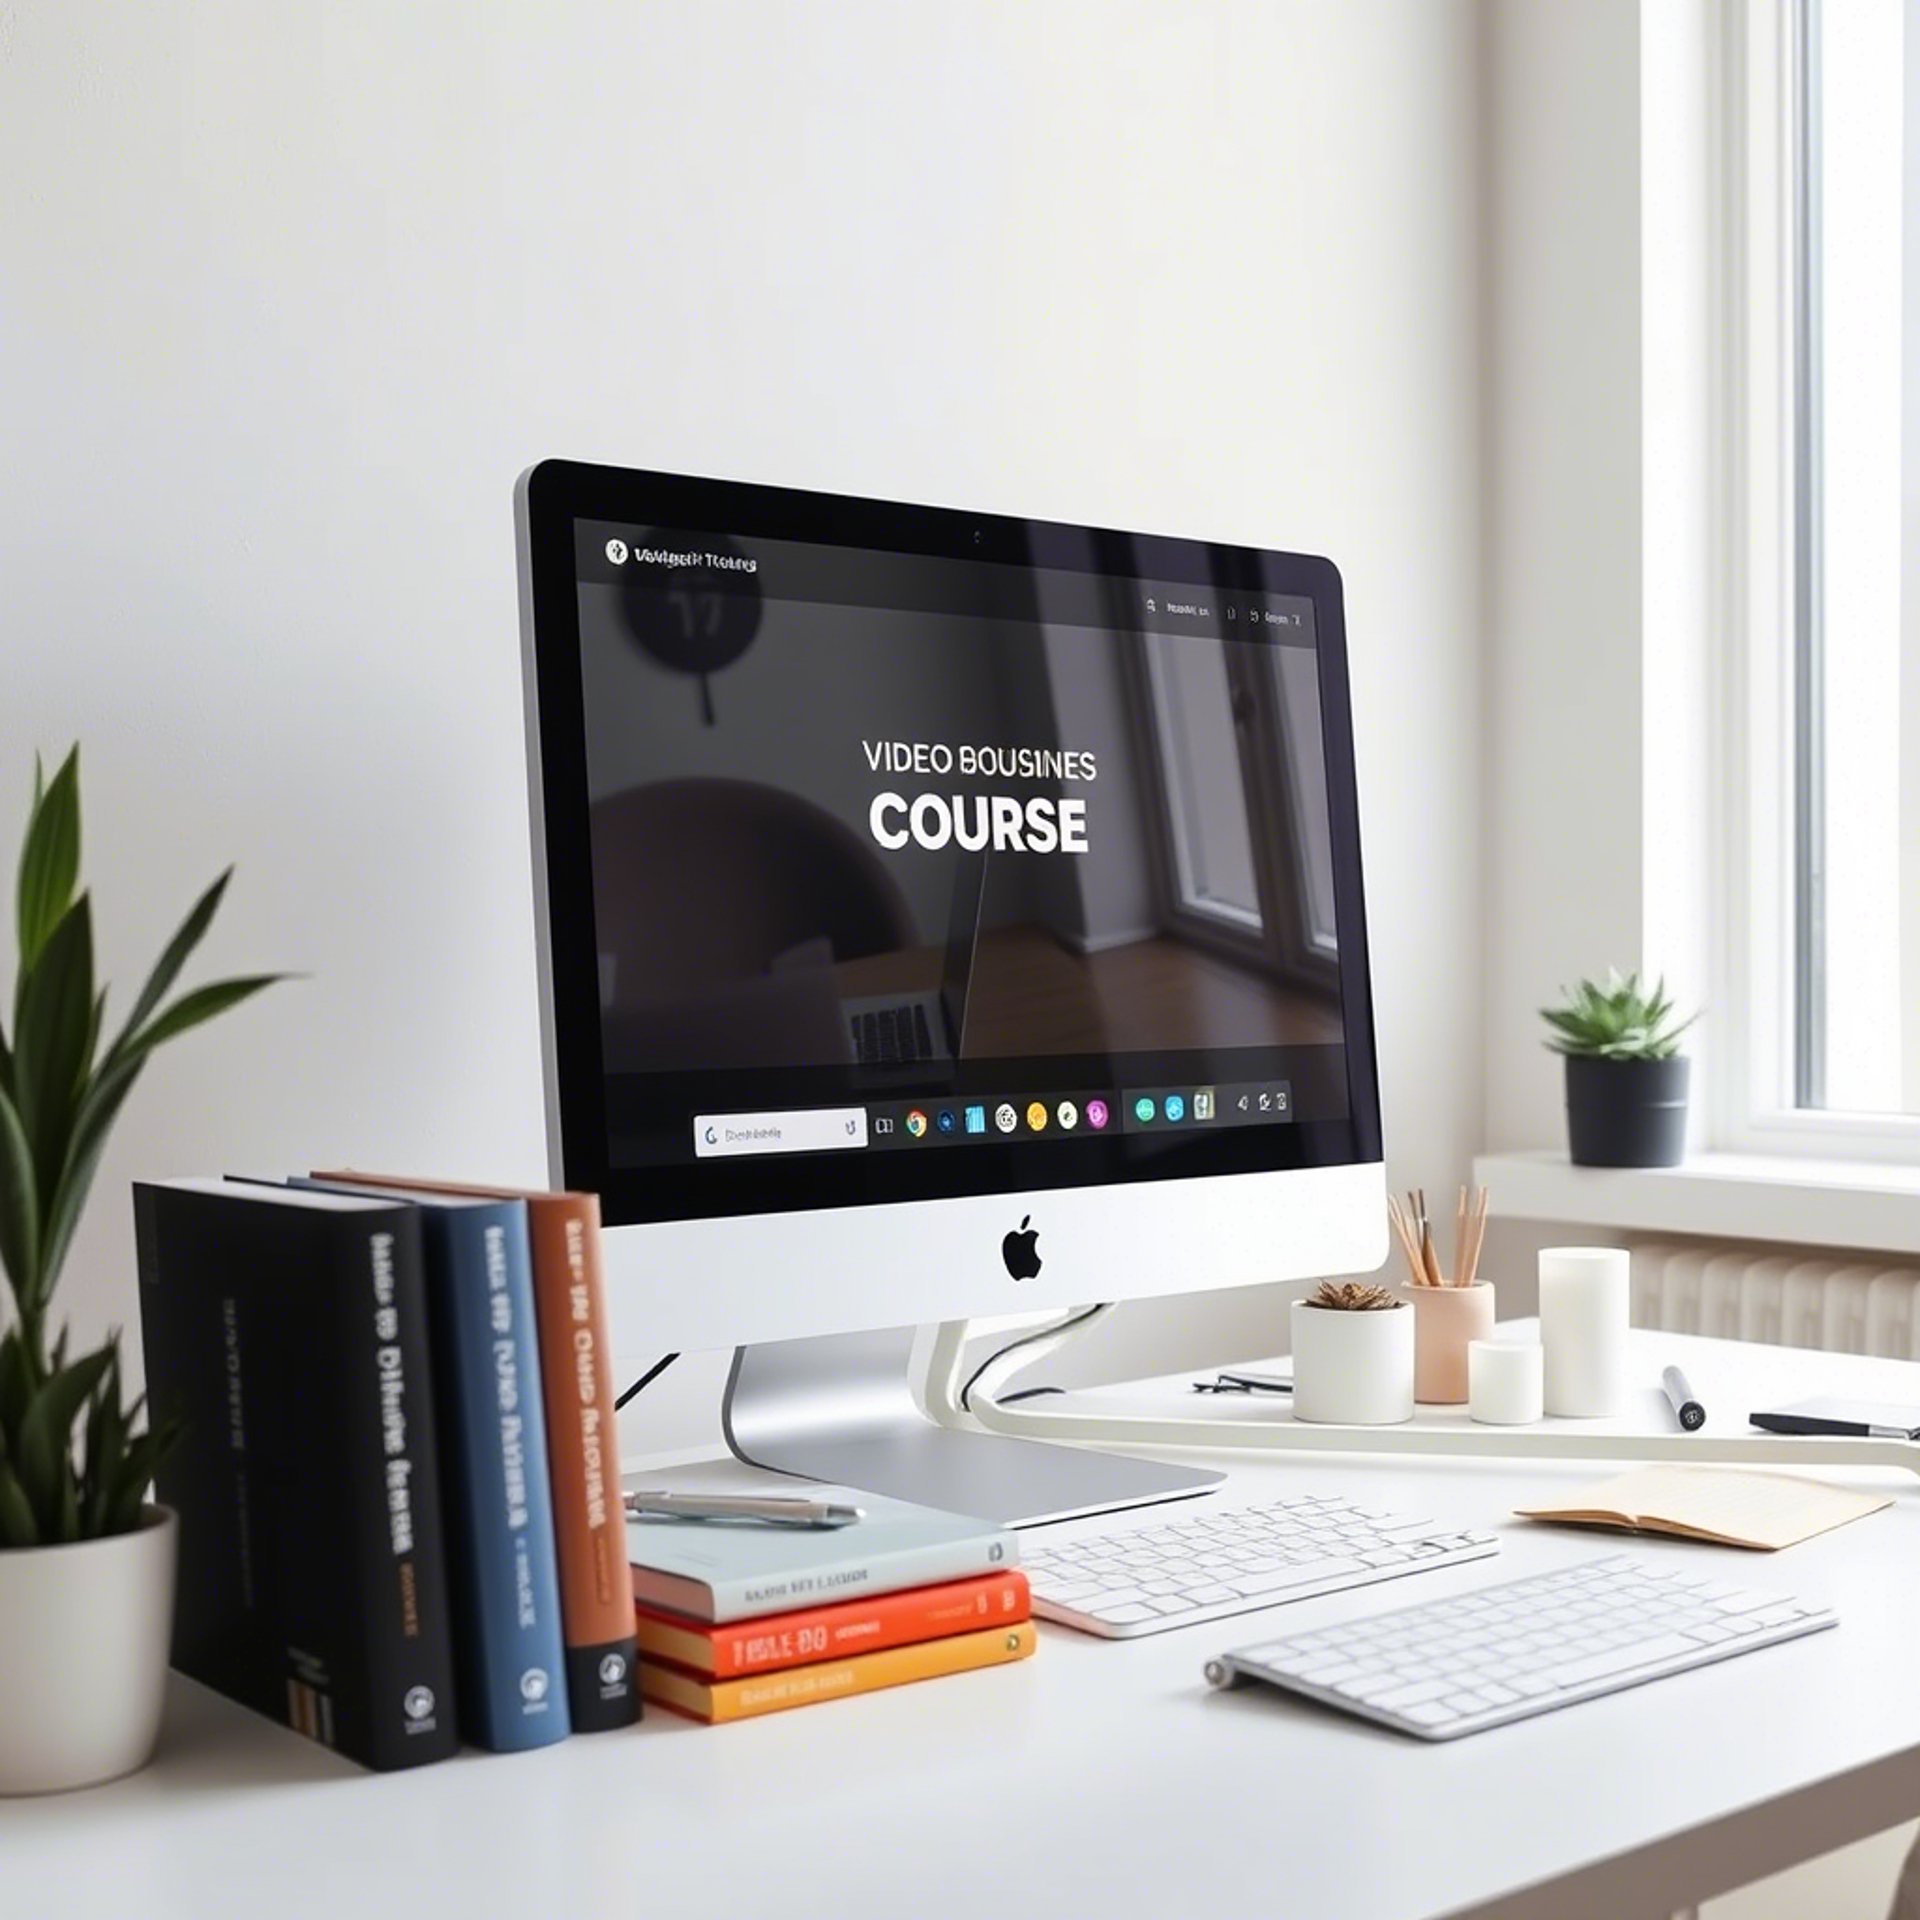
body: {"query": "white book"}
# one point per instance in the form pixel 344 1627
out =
pixel 719 1570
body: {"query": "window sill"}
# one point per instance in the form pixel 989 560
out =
pixel 1828 1203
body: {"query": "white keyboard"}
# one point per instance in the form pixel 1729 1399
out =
pixel 1158 1573
pixel 1454 1666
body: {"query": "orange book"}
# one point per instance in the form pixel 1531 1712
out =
pixel 745 1699
pixel 837 1632
pixel 583 1450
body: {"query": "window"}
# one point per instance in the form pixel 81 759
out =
pixel 1857 600
pixel 1238 762
pixel 1826 542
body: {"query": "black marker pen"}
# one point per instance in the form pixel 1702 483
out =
pixel 1686 1409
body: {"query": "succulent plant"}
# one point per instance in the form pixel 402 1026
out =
pixel 72 1464
pixel 1351 1296
pixel 1616 1021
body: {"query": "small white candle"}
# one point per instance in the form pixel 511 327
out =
pixel 1584 1307
pixel 1504 1382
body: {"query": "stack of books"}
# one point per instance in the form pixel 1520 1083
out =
pixel 738 1619
pixel 398 1485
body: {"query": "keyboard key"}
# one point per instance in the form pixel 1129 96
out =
pixel 1105 1603
pixel 1637 1653
pixel 1412 1694
pixel 1253 1583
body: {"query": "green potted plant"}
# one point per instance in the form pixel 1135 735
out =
pixel 86 1561
pixel 1626 1076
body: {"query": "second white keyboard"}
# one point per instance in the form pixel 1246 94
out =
pixel 1476 1660
pixel 1157 1573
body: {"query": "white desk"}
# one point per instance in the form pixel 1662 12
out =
pixel 1097 1778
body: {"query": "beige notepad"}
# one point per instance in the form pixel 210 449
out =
pixel 1723 1504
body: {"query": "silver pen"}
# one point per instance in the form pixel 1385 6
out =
pixel 771 1509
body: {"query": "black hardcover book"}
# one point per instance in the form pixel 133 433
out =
pixel 287 1331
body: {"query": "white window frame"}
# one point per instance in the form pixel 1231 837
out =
pixel 1765 385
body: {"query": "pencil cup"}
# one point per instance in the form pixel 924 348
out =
pixel 1445 1319
pixel 1584 1305
pixel 1352 1369
pixel 1504 1382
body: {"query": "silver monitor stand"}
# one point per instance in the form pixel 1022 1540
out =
pixel 840 1408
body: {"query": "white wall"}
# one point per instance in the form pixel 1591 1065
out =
pixel 290 295
pixel 1562 664
pixel 1606 334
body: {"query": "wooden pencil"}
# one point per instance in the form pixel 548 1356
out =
pixel 1477 1230
pixel 1405 1237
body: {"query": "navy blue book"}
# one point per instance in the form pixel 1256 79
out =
pixel 498 1501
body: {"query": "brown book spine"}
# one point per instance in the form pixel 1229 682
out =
pixel 583 1449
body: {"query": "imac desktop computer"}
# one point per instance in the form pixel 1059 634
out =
pixel 940 915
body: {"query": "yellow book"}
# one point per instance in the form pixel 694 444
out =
pixel 718 1700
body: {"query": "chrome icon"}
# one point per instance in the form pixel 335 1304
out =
pixel 916 1123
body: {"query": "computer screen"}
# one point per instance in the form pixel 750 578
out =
pixel 916 855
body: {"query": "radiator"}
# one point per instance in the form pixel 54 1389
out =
pixel 1845 1303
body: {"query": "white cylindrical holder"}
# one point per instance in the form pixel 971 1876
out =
pixel 1352 1369
pixel 1504 1382
pixel 1584 1305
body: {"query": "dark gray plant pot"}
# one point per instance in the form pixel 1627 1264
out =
pixel 1626 1113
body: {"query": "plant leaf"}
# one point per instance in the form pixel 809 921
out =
pixel 203 1003
pixel 134 1475
pixel 99 1107
pixel 49 860
pixel 18 1528
pixel 104 1442
pixel 16 1385
pixel 167 968
pixel 43 1457
pixel 94 1019
pixel 51 1036
pixel 19 1205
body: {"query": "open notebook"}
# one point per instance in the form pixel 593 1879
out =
pixel 1726 1505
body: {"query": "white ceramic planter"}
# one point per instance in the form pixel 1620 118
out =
pixel 84 1638
pixel 1352 1369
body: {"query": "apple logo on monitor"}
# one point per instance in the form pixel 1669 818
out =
pixel 1020 1250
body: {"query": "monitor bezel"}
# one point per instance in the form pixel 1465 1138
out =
pixel 552 497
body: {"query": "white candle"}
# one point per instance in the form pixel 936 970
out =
pixel 1584 1304
pixel 1504 1382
